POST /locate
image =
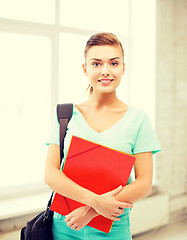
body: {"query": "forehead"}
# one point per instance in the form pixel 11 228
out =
pixel 104 52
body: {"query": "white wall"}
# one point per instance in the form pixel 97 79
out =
pixel 172 103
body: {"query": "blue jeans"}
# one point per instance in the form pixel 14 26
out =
pixel 120 230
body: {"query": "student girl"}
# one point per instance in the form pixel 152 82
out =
pixel 106 120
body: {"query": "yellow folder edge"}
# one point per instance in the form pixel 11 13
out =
pixel 95 143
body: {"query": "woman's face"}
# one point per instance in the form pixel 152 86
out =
pixel 104 67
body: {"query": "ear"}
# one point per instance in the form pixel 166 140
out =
pixel 123 68
pixel 84 69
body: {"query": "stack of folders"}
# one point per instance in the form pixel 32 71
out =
pixel 97 168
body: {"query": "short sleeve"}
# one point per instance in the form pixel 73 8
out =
pixel 54 133
pixel 146 139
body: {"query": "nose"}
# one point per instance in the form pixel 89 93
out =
pixel 105 70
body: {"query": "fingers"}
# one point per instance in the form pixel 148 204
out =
pixel 67 218
pixel 121 206
pixel 119 212
pixel 120 209
pixel 71 223
pixel 115 218
pixel 125 205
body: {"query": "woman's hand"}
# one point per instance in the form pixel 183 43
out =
pixel 108 206
pixel 80 217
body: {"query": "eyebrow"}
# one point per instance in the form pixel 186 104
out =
pixel 101 60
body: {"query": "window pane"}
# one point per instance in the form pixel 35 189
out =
pixel 24 107
pixel 73 83
pixel 42 11
pixel 105 15
pixel 143 56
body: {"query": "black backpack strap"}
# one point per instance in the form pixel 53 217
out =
pixel 64 114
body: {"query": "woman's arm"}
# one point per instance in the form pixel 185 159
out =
pixel 140 188
pixel 142 185
pixel 105 205
pixel 80 217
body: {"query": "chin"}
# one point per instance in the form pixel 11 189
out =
pixel 105 91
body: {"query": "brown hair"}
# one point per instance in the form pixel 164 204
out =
pixel 101 39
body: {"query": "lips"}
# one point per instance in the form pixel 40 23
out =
pixel 105 82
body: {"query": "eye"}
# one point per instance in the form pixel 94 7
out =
pixel 114 63
pixel 96 64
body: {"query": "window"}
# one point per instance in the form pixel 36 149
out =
pixel 40 42
pixel 39 11
pixel 24 107
pixel 99 16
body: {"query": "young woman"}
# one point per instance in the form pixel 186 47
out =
pixel 105 120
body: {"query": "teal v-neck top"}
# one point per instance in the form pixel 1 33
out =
pixel 133 133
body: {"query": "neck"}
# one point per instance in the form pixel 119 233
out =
pixel 100 100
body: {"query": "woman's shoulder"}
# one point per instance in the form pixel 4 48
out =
pixel 137 111
pixel 138 116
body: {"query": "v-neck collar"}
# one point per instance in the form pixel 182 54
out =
pixel 105 131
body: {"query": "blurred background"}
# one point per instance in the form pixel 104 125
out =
pixel 41 54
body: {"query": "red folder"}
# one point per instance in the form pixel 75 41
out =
pixel 97 168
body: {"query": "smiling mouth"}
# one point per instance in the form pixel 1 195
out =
pixel 105 80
